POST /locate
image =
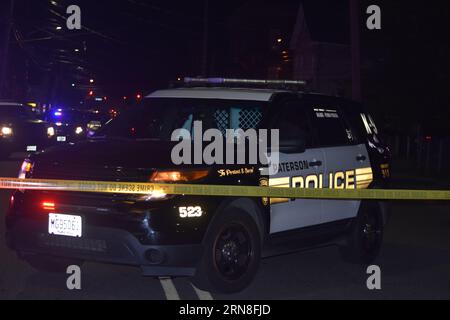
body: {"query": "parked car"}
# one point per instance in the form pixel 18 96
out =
pixel 73 125
pixel 21 130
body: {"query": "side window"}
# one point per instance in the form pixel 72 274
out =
pixel 293 123
pixel 331 126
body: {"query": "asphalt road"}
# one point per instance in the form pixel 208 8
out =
pixel 415 264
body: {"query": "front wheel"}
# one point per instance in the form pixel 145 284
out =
pixel 232 253
pixel 364 241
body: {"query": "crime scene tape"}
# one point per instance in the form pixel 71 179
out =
pixel 219 190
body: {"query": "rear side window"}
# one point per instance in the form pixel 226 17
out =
pixel 369 124
pixel 331 127
pixel 363 123
pixel 293 122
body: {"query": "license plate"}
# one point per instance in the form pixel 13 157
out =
pixel 31 148
pixel 61 139
pixel 65 225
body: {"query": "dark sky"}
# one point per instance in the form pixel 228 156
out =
pixel 130 44
pixel 140 45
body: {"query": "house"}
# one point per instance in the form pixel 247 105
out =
pixel 320 46
pixel 259 34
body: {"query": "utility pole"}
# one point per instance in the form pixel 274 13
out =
pixel 205 39
pixel 355 49
pixel 4 49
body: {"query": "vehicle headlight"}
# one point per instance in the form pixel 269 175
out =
pixel 25 169
pixel 50 131
pixel 178 176
pixel 79 130
pixel 171 177
pixel 7 131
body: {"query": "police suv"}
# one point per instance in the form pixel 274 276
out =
pixel 325 142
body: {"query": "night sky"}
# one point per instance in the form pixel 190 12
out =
pixel 134 46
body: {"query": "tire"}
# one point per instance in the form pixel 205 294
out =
pixel 50 264
pixel 363 243
pixel 232 253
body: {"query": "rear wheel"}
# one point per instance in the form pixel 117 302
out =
pixel 364 242
pixel 232 253
pixel 50 264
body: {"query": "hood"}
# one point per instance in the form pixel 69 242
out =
pixel 111 153
pixel 27 122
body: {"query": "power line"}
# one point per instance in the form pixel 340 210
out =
pixel 97 33
pixel 3 64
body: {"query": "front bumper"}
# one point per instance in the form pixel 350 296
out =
pixel 107 245
pixel 12 145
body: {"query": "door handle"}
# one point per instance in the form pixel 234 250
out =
pixel 315 164
pixel 361 158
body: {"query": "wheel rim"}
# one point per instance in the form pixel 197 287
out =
pixel 371 232
pixel 233 251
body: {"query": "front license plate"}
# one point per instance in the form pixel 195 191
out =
pixel 65 225
pixel 61 139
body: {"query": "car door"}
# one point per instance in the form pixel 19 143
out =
pixel 347 160
pixel 296 169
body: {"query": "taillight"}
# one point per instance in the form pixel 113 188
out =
pixel 11 201
pixel 48 205
pixel 178 176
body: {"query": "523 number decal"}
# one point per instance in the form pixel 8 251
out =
pixel 190 212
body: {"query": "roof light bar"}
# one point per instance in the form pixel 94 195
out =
pixel 246 82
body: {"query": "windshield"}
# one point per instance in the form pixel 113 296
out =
pixel 12 112
pixel 157 119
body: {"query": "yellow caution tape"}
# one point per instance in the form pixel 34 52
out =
pixel 218 190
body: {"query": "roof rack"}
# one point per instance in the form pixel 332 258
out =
pixel 248 83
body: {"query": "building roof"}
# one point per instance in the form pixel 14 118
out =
pixel 327 21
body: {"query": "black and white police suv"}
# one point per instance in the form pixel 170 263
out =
pixel 325 142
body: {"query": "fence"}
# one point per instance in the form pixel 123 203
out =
pixel 428 155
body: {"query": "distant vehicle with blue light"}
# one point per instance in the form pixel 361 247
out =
pixel 73 125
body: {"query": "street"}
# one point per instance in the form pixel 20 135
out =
pixel 415 264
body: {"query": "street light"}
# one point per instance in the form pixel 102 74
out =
pixel 91 81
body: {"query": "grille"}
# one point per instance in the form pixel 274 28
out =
pixel 73 243
pixel 249 119
pixel 222 120
pixel 90 173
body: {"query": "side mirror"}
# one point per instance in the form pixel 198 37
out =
pixel 297 145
